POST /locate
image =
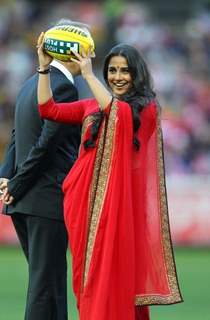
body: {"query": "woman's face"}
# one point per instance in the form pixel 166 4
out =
pixel 118 76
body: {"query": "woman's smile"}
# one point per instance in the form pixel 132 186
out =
pixel 119 77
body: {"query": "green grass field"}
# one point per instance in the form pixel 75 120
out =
pixel 193 269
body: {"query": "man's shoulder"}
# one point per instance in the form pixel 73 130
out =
pixel 28 87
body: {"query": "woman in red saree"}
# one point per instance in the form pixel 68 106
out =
pixel 115 203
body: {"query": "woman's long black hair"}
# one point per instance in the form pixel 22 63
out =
pixel 138 97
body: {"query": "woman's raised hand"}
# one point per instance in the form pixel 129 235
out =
pixel 44 58
pixel 84 62
pixel 98 89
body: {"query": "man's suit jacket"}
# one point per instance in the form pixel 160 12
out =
pixel 41 152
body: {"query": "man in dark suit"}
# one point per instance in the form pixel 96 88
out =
pixel 38 158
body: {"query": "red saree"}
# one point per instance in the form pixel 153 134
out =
pixel 116 215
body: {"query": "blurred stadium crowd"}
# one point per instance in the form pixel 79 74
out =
pixel 178 58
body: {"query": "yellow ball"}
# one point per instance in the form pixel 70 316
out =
pixel 61 42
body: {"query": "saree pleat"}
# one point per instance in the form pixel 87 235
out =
pixel 116 215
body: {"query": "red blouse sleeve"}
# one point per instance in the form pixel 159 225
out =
pixel 64 112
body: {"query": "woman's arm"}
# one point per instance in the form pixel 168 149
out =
pixel 44 90
pixel 63 112
pixel 99 91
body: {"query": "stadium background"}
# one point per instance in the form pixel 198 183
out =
pixel 174 38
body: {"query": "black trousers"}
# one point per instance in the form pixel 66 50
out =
pixel 44 242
